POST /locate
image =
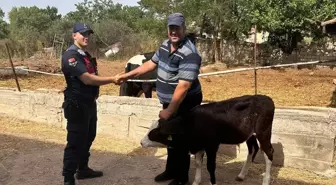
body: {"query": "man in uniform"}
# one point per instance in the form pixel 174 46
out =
pixel 80 109
pixel 178 89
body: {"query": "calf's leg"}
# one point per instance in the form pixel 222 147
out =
pixel 267 177
pixel 199 161
pixel 264 134
pixel 147 89
pixel 211 163
pixel 265 144
pixel 253 148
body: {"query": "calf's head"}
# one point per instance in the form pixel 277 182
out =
pixel 159 134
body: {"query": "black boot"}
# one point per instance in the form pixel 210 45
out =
pixel 164 176
pixel 69 180
pixel 69 183
pixel 177 182
pixel 169 173
pixel 88 173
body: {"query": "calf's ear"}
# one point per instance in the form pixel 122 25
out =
pixel 174 126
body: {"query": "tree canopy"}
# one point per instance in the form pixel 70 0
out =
pixel 143 27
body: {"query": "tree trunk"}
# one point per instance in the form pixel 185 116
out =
pixel 214 48
pixel 218 51
pixel 217 43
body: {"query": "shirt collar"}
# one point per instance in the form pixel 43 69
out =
pixel 73 47
pixel 79 50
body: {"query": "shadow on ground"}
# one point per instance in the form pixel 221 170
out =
pixel 30 162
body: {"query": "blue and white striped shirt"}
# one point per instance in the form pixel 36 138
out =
pixel 182 64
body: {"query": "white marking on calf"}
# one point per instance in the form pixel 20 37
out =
pixel 146 142
pixel 137 60
pixel 267 177
pixel 246 166
pixel 199 161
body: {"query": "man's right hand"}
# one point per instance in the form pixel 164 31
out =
pixel 120 78
pixel 145 68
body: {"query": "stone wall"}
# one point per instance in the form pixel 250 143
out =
pixel 122 117
pixel 234 53
pixel 303 137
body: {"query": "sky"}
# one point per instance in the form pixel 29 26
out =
pixel 63 6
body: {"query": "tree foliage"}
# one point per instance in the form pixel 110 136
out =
pixel 3 26
pixel 287 21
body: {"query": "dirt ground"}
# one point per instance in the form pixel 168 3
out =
pixel 31 154
pixel 287 87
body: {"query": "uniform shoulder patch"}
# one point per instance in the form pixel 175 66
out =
pixel 72 62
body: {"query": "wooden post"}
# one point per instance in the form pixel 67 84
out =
pixel 53 46
pixel 61 50
pixel 255 59
pixel 11 62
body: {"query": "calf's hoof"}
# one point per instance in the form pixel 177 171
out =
pixel 239 179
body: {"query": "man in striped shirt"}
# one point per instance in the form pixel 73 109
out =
pixel 178 89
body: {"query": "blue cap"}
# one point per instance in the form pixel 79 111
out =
pixel 81 28
pixel 176 19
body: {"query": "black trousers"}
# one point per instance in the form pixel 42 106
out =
pixel 178 160
pixel 81 132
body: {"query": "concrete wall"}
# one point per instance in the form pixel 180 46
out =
pixel 123 117
pixel 303 137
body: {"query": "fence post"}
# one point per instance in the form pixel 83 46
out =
pixel 255 59
pixel 11 62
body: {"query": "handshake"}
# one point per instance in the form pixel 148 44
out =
pixel 119 78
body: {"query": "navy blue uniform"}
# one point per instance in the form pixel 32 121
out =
pixel 80 109
pixel 75 62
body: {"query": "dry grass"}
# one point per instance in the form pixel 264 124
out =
pixel 288 87
pixel 46 134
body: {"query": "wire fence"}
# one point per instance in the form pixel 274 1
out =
pixel 255 68
pixel 301 85
pixel 203 74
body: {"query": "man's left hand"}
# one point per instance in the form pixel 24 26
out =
pixel 165 114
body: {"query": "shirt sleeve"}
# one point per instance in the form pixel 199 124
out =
pixel 189 67
pixel 73 65
pixel 155 57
